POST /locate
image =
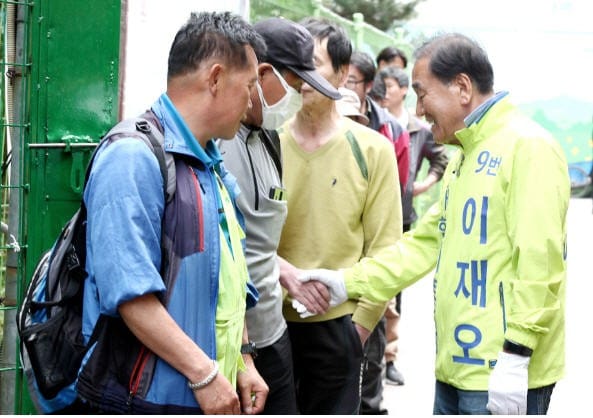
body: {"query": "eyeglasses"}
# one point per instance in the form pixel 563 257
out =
pixel 353 83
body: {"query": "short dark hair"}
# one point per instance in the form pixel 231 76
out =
pixel 451 54
pixel 390 52
pixel 339 47
pixel 364 63
pixel 213 35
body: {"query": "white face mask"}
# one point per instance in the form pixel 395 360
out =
pixel 274 116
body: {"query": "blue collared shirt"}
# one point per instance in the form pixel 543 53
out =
pixel 125 202
pixel 479 112
pixel 178 137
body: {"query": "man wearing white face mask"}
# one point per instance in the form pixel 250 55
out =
pixel 254 158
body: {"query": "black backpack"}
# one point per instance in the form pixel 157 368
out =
pixel 49 319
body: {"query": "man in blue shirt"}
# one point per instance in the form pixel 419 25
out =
pixel 168 278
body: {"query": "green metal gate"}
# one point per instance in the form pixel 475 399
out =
pixel 60 95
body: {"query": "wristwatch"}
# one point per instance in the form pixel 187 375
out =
pixel 249 348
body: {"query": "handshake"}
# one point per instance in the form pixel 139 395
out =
pixel 332 279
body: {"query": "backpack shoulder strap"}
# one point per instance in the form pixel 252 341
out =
pixel 271 141
pixel 151 127
pixel 147 128
pixel 358 155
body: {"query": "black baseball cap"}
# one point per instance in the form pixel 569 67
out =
pixel 291 45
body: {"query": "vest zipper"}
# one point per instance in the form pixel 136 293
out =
pixel 136 375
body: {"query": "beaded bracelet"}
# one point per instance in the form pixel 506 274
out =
pixel 207 380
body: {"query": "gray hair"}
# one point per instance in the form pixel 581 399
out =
pixel 397 74
pixel 451 54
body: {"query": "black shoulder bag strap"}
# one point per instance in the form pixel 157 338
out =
pixel 271 140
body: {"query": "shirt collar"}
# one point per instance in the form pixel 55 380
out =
pixel 179 138
pixel 404 119
pixel 479 112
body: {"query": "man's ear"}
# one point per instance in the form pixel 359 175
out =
pixel 215 76
pixel 264 70
pixel 466 88
pixel 343 74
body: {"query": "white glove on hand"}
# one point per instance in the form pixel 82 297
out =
pixel 301 309
pixel 507 387
pixel 333 279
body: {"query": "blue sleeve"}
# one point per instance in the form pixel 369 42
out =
pixel 125 204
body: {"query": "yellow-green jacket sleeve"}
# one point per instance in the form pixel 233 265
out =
pixel 536 228
pixel 390 271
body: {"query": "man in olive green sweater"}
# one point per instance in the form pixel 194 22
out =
pixel 343 204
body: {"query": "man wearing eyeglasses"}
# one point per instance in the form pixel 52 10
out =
pixel 360 79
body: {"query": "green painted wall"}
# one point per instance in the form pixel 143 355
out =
pixel 73 99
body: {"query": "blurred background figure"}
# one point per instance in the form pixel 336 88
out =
pixel 391 56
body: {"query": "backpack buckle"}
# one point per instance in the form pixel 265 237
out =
pixel 143 126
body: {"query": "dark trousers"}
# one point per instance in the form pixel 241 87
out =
pixel 327 366
pixel 448 400
pixel 274 364
pixel 372 376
